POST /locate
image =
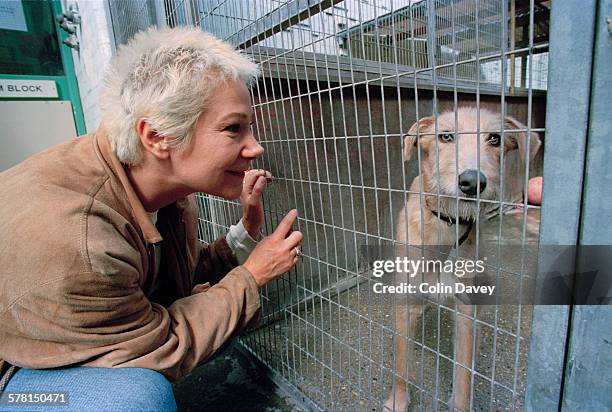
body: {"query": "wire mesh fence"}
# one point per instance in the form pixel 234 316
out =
pixel 342 84
pixel 129 17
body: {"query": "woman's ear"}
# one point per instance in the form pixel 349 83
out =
pixel 151 141
pixel 522 140
pixel 410 141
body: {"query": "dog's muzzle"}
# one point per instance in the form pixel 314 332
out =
pixel 469 181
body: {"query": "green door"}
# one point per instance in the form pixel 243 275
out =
pixel 34 64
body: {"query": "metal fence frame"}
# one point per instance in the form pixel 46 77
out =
pixel 576 40
pixel 363 66
pixel 571 40
pixel 589 345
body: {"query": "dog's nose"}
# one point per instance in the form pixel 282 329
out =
pixel 468 181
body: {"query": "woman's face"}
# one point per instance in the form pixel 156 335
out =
pixel 222 146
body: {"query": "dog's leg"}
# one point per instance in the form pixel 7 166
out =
pixel 406 318
pixel 464 342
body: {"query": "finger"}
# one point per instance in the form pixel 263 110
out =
pixel 254 197
pixel 285 225
pixel 294 239
pixel 250 177
pixel 259 186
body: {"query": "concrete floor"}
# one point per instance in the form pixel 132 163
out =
pixel 350 366
pixel 232 381
pixel 337 349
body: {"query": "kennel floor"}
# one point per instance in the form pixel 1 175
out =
pixel 337 349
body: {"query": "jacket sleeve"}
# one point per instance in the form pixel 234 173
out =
pixel 205 263
pixel 176 339
pixel 101 317
pixel 214 262
pixel 172 339
pixel 224 254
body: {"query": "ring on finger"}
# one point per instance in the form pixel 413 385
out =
pixel 298 252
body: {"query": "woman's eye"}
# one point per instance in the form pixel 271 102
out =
pixel 494 139
pixel 233 128
pixel 446 137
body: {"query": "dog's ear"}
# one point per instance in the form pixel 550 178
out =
pixel 522 140
pixel 410 141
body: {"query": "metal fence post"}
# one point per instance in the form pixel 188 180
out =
pixel 567 111
pixel 160 13
pixel 589 356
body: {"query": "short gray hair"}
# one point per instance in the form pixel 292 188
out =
pixel 166 76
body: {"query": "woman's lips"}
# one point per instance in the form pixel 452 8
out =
pixel 236 174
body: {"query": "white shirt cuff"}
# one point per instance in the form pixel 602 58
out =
pixel 241 243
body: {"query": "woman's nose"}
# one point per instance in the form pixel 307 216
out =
pixel 253 149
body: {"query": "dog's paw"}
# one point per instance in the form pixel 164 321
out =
pixel 395 404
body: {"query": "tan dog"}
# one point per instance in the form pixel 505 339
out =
pixel 450 167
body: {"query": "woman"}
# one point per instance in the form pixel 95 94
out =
pixel 101 267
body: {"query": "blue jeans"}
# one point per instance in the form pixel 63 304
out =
pixel 93 389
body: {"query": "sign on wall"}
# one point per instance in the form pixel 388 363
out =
pixel 11 16
pixel 27 88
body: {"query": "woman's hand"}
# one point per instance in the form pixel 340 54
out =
pixel 277 253
pixel 534 191
pixel 254 183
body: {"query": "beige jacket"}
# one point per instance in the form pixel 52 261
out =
pixel 76 275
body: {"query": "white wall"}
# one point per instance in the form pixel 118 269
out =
pixel 21 137
pixel 96 50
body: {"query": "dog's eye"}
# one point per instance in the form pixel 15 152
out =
pixel 494 139
pixel 446 137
